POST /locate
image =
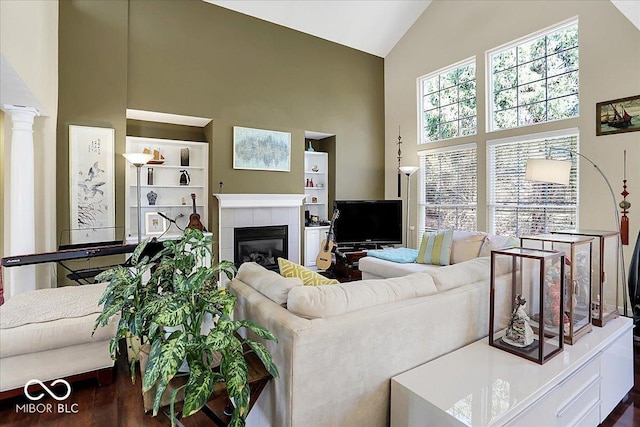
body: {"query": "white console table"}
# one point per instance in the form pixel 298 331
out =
pixel 479 385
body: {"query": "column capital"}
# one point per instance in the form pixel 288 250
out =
pixel 20 109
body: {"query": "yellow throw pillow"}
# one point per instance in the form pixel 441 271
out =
pixel 308 277
pixel 435 248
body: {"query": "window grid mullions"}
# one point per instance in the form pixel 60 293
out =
pixel 515 67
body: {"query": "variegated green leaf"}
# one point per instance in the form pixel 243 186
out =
pixel 236 421
pixel 197 279
pixel 135 257
pixel 199 388
pixel 175 313
pixel 258 330
pixel 161 387
pixel 265 357
pixel 217 339
pixel 166 359
pixel 235 371
pixel 113 347
pixel 108 312
pixel 241 403
pixel 154 365
pixel 155 305
pixel 180 282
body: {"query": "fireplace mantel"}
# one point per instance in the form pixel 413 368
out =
pixel 256 210
pixel 234 201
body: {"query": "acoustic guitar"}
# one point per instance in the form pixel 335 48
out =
pixel 194 218
pixel 323 260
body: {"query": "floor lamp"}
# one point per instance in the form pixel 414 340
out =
pixel 138 160
pixel 557 172
pixel 408 171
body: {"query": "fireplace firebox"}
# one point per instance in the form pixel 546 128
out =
pixel 262 245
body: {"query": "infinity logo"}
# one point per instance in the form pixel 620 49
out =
pixel 51 393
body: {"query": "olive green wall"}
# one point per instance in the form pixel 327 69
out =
pixel 92 85
pixel 193 58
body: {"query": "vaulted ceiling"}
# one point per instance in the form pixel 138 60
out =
pixel 373 26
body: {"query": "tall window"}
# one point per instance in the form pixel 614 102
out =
pixel 535 80
pixel 520 207
pixel 448 102
pixel 448 188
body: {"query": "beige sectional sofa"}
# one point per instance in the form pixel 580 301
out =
pixel 466 245
pixel 48 334
pixel 339 345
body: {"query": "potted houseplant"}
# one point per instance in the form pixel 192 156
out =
pixel 164 300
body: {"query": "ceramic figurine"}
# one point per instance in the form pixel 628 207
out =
pixel 519 332
pixel 185 179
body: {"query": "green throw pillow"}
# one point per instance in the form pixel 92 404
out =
pixel 308 277
pixel 435 248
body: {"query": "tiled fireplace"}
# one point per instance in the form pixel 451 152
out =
pixel 262 245
pixel 255 211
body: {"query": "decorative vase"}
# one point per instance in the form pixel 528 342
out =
pixel 151 197
pixel 184 157
pixel 310 148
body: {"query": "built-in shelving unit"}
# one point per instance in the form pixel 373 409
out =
pixel 316 177
pixel 172 198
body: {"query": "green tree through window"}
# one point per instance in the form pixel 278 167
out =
pixel 448 100
pixel 535 80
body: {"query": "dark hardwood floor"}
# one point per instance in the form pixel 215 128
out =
pixel 120 404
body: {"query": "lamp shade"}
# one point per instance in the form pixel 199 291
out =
pixel 138 159
pixel 548 170
pixel 408 170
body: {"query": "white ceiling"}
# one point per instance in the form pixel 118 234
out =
pixel 372 26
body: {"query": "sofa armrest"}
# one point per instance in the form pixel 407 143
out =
pixel 276 402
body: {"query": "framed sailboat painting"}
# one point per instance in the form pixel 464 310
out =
pixel 618 115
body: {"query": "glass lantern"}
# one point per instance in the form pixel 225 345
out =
pixel 525 302
pixel 604 274
pixel 577 288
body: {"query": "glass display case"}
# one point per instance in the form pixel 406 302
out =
pixel 577 281
pixel 604 274
pixel 525 304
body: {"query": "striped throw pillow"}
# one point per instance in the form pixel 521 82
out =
pixel 308 277
pixel 435 248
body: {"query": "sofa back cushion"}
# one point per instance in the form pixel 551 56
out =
pixel 456 275
pixel 466 245
pixel 268 283
pixel 325 301
pixel 494 241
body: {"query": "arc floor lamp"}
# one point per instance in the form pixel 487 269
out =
pixel 558 172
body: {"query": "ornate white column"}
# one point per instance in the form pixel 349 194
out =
pixel 21 211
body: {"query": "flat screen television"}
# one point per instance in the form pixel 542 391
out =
pixel 367 223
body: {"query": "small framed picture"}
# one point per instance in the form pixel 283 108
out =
pixel 618 115
pixel 154 224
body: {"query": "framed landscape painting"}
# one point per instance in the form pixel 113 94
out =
pixel 91 184
pixel 260 149
pixel 618 115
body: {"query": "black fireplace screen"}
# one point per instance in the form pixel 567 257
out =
pixel 262 245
